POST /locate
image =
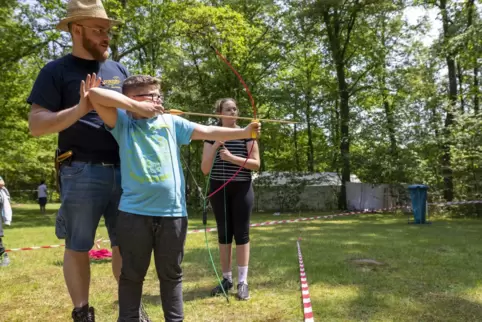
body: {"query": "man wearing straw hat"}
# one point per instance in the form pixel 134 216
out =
pixel 89 176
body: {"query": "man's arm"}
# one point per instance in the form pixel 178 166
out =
pixel 218 133
pixel 41 121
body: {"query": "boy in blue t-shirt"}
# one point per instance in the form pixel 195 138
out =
pixel 152 208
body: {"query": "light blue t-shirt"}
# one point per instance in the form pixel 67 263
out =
pixel 152 177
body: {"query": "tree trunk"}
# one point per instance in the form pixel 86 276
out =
pixel 310 152
pixel 295 136
pixel 476 89
pixel 345 134
pixel 460 77
pixel 386 95
pixel 308 100
pixel 335 130
pixel 391 128
pixel 449 118
pixel 338 53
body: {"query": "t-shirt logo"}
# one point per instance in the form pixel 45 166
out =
pixel 113 83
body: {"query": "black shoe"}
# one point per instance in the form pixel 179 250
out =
pixel 243 291
pixel 85 314
pixel 143 317
pixel 227 285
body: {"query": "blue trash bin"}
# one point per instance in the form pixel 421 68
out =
pixel 418 194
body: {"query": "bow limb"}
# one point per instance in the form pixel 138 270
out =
pixel 254 119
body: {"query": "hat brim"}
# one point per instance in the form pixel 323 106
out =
pixel 63 25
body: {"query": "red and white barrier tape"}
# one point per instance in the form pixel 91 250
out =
pixel 305 293
pixel 277 222
pixel 194 231
pixel 33 248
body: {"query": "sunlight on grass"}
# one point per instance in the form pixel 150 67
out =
pixel 422 273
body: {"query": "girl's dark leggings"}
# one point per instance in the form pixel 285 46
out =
pixel 232 208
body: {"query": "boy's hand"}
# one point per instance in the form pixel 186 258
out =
pixel 84 105
pixel 149 109
pixel 254 127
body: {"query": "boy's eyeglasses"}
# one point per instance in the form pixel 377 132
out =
pixel 153 97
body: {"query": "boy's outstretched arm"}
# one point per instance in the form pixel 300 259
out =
pixel 219 133
pixel 106 102
pixel 107 113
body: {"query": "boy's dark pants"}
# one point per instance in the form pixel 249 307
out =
pixel 137 237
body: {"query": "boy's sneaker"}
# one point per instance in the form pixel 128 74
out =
pixel 4 260
pixel 227 285
pixel 86 314
pixel 243 291
pixel 143 317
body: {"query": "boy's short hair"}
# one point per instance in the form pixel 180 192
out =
pixel 139 81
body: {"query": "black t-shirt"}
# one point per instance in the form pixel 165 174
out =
pixel 57 87
pixel 223 170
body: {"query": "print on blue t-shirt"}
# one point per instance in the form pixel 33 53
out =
pixel 152 177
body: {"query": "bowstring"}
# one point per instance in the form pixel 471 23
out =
pixel 205 224
pixel 204 199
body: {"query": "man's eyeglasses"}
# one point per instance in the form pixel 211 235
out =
pixel 153 97
pixel 99 31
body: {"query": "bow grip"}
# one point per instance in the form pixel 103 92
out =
pixel 253 133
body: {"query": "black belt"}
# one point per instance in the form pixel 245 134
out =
pixel 97 162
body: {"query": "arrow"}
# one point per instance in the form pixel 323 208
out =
pixel 179 112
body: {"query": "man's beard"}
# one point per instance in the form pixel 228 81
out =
pixel 94 49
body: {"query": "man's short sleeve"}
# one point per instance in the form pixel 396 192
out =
pixel 126 72
pixel 46 91
pixel 120 125
pixel 184 129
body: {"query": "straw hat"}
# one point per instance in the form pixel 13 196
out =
pixel 84 9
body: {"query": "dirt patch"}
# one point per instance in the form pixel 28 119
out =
pixel 367 264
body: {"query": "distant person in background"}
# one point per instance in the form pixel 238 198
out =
pixel 6 212
pixel 42 195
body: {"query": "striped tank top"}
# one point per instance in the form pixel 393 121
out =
pixel 224 170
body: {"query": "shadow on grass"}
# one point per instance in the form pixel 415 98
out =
pixel 190 295
pixel 60 263
pixel 29 218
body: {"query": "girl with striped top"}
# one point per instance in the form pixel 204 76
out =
pixel 233 206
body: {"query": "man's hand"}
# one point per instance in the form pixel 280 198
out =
pixel 149 109
pixel 84 105
pixel 225 155
pixel 254 127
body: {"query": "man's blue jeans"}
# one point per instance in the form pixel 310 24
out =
pixel 88 192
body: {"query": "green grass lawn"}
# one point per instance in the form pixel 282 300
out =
pixel 429 273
